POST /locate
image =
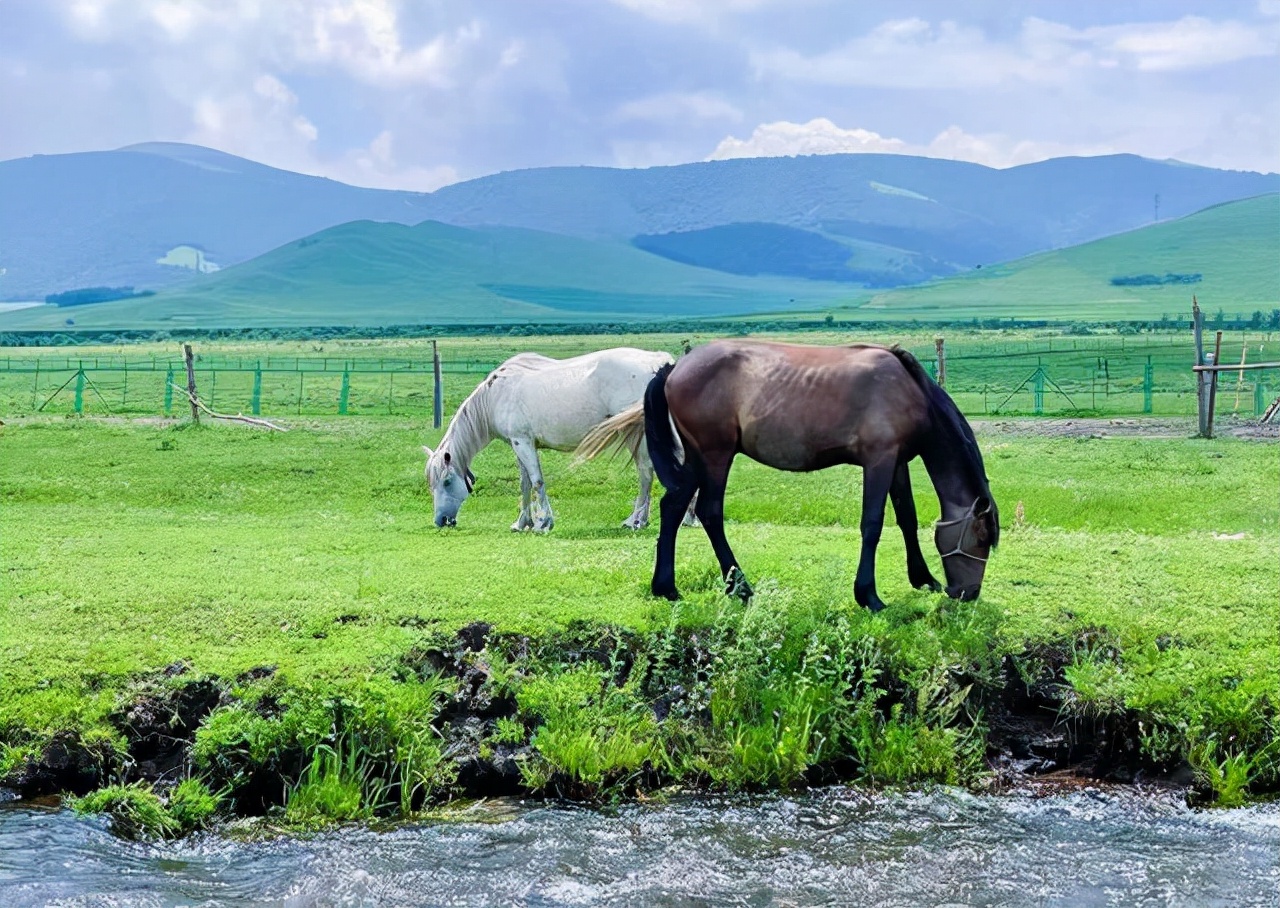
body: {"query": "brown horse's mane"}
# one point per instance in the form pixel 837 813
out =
pixel 950 423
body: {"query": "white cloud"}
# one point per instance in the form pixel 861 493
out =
pixel 909 53
pixel 691 11
pixel 361 37
pixel 262 123
pixel 679 106
pixel 915 53
pixel 821 136
pixel 1192 42
pixel 376 166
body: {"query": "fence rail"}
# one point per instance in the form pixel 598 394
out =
pixel 1106 379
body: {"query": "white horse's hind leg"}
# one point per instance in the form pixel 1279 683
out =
pixel 639 518
pixel 691 518
pixel 524 521
pixel 531 464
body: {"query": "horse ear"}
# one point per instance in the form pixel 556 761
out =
pixel 471 481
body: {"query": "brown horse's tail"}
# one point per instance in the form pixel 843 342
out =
pixel 622 432
pixel 665 450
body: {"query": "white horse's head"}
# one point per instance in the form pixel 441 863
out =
pixel 450 485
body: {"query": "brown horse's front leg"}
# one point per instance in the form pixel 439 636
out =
pixel 904 506
pixel 876 479
pixel 710 510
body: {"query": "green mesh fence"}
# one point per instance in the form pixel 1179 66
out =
pixel 1054 377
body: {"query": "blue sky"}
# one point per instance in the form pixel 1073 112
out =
pixel 416 94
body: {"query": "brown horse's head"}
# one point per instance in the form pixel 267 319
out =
pixel 965 544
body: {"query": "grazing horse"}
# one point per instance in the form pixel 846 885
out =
pixel 532 401
pixel 803 408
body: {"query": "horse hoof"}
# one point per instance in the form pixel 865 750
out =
pixel 735 584
pixel 873 605
pixel 668 593
pixel 928 583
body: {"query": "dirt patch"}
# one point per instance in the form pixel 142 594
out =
pixel 1127 427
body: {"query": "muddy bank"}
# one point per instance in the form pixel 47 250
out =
pixel 1019 718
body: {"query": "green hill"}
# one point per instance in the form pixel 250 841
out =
pixel 1227 255
pixel 366 273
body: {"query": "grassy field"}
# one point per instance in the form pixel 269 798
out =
pixel 1234 248
pixel 366 273
pixel 377 274
pixel 988 371
pixel 1148 566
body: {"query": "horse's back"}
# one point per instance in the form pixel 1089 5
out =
pixel 796 406
pixel 558 401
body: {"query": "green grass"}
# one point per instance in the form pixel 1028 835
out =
pixel 987 371
pixel 371 274
pixel 129 547
pixel 1234 246
pixel 365 273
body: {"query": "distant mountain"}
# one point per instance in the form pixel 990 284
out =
pixel 1228 256
pixel 107 218
pixel 371 274
pixel 904 218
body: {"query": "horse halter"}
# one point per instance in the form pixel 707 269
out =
pixel 966 523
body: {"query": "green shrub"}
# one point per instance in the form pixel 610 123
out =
pixel 135 811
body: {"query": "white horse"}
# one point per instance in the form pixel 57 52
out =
pixel 532 401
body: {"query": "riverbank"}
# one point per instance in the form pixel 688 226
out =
pixel 273 621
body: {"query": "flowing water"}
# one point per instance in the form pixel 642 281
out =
pixel 833 847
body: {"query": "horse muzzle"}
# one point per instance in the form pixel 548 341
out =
pixel 443 521
pixel 964 593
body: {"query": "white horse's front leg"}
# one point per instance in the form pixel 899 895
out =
pixel 639 518
pixel 531 464
pixel 524 521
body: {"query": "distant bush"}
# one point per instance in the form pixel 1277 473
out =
pixel 1155 280
pixel 86 295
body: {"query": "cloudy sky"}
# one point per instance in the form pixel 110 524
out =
pixel 414 94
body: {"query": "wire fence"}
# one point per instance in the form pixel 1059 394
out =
pixel 1056 377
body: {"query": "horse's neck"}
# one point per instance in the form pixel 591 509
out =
pixel 471 429
pixel 956 488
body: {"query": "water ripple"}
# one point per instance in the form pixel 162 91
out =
pixel 833 847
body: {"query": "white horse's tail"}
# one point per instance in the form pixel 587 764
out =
pixel 624 431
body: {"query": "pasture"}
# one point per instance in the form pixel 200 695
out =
pixel 302 571
pixel 988 372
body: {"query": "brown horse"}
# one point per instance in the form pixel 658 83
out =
pixel 804 408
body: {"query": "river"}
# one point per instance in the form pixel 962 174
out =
pixel 833 847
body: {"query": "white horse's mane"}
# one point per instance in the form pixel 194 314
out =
pixel 471 427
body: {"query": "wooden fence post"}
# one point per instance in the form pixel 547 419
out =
pixel 1197 331
pixel 1213 384
pixel 939 345
pixel 191 382
pixel 437 399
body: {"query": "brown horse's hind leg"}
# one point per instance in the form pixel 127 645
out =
pixel 671 510
pixel 876 479
pixel 710 511
pixel 904 506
